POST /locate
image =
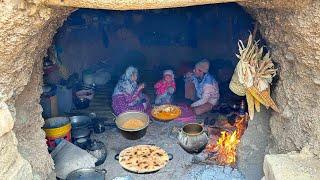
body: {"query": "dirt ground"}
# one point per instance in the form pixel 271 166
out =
pixel 163 135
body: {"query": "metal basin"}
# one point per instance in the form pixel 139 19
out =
pixel 132 134
pixel 57 127
pixel 55 122
pixel 87 174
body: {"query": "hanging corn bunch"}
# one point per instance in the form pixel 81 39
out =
pixel 254 74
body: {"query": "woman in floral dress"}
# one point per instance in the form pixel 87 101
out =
pixel 128 94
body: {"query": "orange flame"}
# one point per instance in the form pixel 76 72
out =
pixel 227 148
pixel 226 145
pixel 241 126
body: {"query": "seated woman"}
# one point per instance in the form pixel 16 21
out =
pixel 165 88
pixel 128 95
pixel 201 83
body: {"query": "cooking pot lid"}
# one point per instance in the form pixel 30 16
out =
pixel 87 174
pixel 80 133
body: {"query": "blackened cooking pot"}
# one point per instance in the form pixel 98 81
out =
pixel 132 134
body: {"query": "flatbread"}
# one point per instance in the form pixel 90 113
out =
pixel 166 112
pixel 143 158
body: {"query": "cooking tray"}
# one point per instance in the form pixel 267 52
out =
pixel 165 111
pixel 143 159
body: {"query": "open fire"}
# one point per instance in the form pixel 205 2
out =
pixel 225 147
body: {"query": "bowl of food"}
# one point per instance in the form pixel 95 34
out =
pixel 166 112
pixel 132 124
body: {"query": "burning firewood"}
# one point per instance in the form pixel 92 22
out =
pixel 223 149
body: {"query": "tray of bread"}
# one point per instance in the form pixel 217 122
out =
pixel 143 158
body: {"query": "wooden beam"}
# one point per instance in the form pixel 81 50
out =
pixel 132 4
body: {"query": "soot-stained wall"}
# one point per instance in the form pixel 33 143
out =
pixel 152 37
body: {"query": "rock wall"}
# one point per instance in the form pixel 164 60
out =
pixel 293 36
pixel 253 146
pixel 28 125
pixel 26 31
pixel 292 32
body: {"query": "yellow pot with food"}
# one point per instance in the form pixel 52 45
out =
pixel 132 124
pixel 166 112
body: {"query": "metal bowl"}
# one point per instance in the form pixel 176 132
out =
pixel 80 121
pixel 132 134
pixel 56 122
pixel 87 174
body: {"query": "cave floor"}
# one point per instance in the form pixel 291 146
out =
pixel 164 135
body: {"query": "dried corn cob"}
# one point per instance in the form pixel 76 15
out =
pixel 265 95
pixel 255 72
pixel 257 105
pixel 257 95
pixel 250 102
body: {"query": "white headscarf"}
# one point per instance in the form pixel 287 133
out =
pixel 125 85
pixel 168 72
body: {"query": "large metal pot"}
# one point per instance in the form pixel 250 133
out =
pixel 192 138
pixel 57 127
pixel 132 134
pixel 87 174
pixel 80 121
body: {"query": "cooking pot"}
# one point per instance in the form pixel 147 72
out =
pixel 192 138
pixel 80 133
pixel 87 174
pixel 80 121
pixel 132 134
pixel 81 103
pixel 85 93
pixel 98 150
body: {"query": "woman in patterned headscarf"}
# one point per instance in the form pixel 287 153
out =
pixel 128 94
pixel 204 86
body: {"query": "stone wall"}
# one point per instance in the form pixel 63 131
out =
pixel 293 36
pixel 253 146
pixel 292 32
pixel 26 31
pixel 291 29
